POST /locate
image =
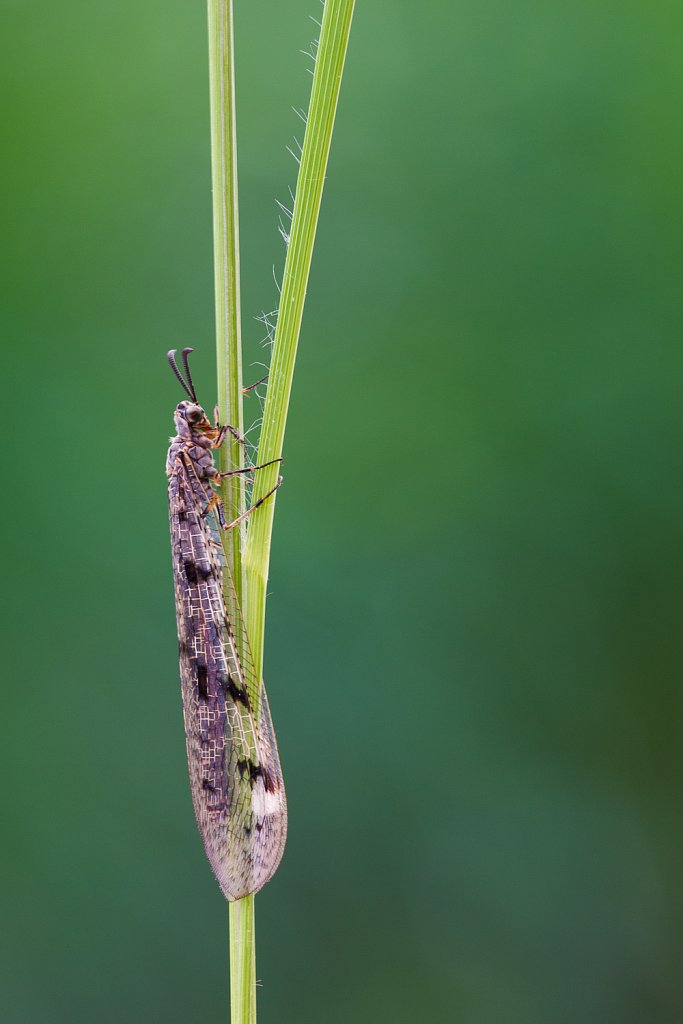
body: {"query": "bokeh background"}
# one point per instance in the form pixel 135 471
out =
pixel 473 647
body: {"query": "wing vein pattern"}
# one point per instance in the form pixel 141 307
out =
pixel 235 776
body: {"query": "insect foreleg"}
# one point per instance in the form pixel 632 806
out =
pixel 223 431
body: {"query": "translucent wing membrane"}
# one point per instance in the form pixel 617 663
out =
pixel 235 776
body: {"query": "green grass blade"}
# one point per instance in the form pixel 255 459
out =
pixel 334 36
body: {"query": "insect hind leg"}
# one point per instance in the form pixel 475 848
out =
pixel 248 511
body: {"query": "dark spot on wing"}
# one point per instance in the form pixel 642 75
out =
pixel 190 570
pixel 257 771
pixel 237 693
pixel 196 573
pixel 202 682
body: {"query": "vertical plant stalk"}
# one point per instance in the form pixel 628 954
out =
pixel 242 962
pixel 227 264
pixel 229 359
pixel 331 53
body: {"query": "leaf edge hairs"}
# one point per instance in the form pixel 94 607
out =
pixel 234 766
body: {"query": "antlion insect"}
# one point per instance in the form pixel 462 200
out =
pixel 235 777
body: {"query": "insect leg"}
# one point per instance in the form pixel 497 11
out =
pixel 252 386
pixel 216 503
pixel 247 512
pixel 247 469
pixel 223 430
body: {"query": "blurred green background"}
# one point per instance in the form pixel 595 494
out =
pixel 473 631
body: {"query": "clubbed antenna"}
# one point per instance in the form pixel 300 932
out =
pixel 174 367
pixel 185 353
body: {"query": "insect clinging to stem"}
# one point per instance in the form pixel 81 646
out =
pixel 235 776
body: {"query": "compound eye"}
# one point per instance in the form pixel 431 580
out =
pixel 194 414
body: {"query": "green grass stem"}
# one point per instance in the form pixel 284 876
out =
pixel 229 360
pixel 227 264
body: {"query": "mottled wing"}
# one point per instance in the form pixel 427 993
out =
pixel 235 775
